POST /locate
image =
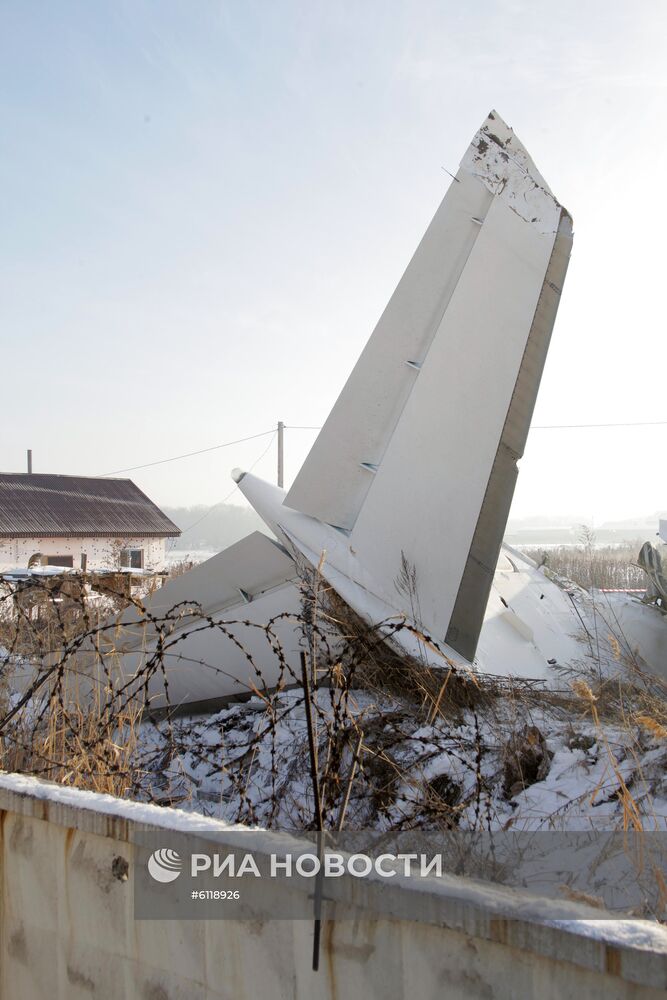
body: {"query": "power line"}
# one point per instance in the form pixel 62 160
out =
pixel 567 427
pixel 233 490
pixel 308 427
pixel 539 427
pixel 189 454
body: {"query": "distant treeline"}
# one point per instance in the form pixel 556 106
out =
pixel 213 528
pixel 572 536
pixel 572 530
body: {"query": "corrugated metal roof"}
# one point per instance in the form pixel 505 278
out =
pixel 39 505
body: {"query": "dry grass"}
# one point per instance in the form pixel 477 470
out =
pixel 609 567
pixel 92 743
pixel 385 724
pixel 80 741
pixel 67 748
pixel 385 669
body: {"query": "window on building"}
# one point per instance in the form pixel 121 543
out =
pixel 132 558
pixel 60 561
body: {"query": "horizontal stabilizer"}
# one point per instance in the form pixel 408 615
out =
pixel 233 578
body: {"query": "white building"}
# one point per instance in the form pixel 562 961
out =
pixel 80 523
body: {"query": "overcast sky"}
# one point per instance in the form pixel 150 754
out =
pixel 206 206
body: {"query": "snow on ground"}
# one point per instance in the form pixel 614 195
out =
pixel 544 776
pixel 582 765
pixel 522 758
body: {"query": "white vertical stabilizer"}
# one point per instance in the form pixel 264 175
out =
pixel 416 464
pixel 418 456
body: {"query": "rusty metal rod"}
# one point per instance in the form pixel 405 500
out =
pixel 312 745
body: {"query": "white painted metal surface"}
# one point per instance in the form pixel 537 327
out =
pixel 212 621
pixel 418 457
pixel 417 461
pixel 331 486
pixel 644 629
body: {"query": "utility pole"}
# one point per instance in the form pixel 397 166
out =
pixel 281 435
pixel 29 461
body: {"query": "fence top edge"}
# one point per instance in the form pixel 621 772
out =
pixel 496 913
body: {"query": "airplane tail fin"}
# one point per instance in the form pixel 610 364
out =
pixel 417 461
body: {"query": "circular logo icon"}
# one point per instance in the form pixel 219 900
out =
pixel 165 865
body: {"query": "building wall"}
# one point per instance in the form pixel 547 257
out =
pixel 67 927
pixel 103 553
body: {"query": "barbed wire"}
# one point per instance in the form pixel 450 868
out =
pixel 396 746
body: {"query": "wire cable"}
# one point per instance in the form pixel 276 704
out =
pixel 189 454
pixel 567 427
pixel 304 427
pixel 538 427
pixel 233 491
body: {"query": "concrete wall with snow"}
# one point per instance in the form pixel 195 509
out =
pixel 68 930
pixel 102 553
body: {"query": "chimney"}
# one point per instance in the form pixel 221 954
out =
pixel 29 461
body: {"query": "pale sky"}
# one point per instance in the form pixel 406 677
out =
pixel 206 206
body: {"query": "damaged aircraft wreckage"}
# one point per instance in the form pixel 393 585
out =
pixel 415 466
